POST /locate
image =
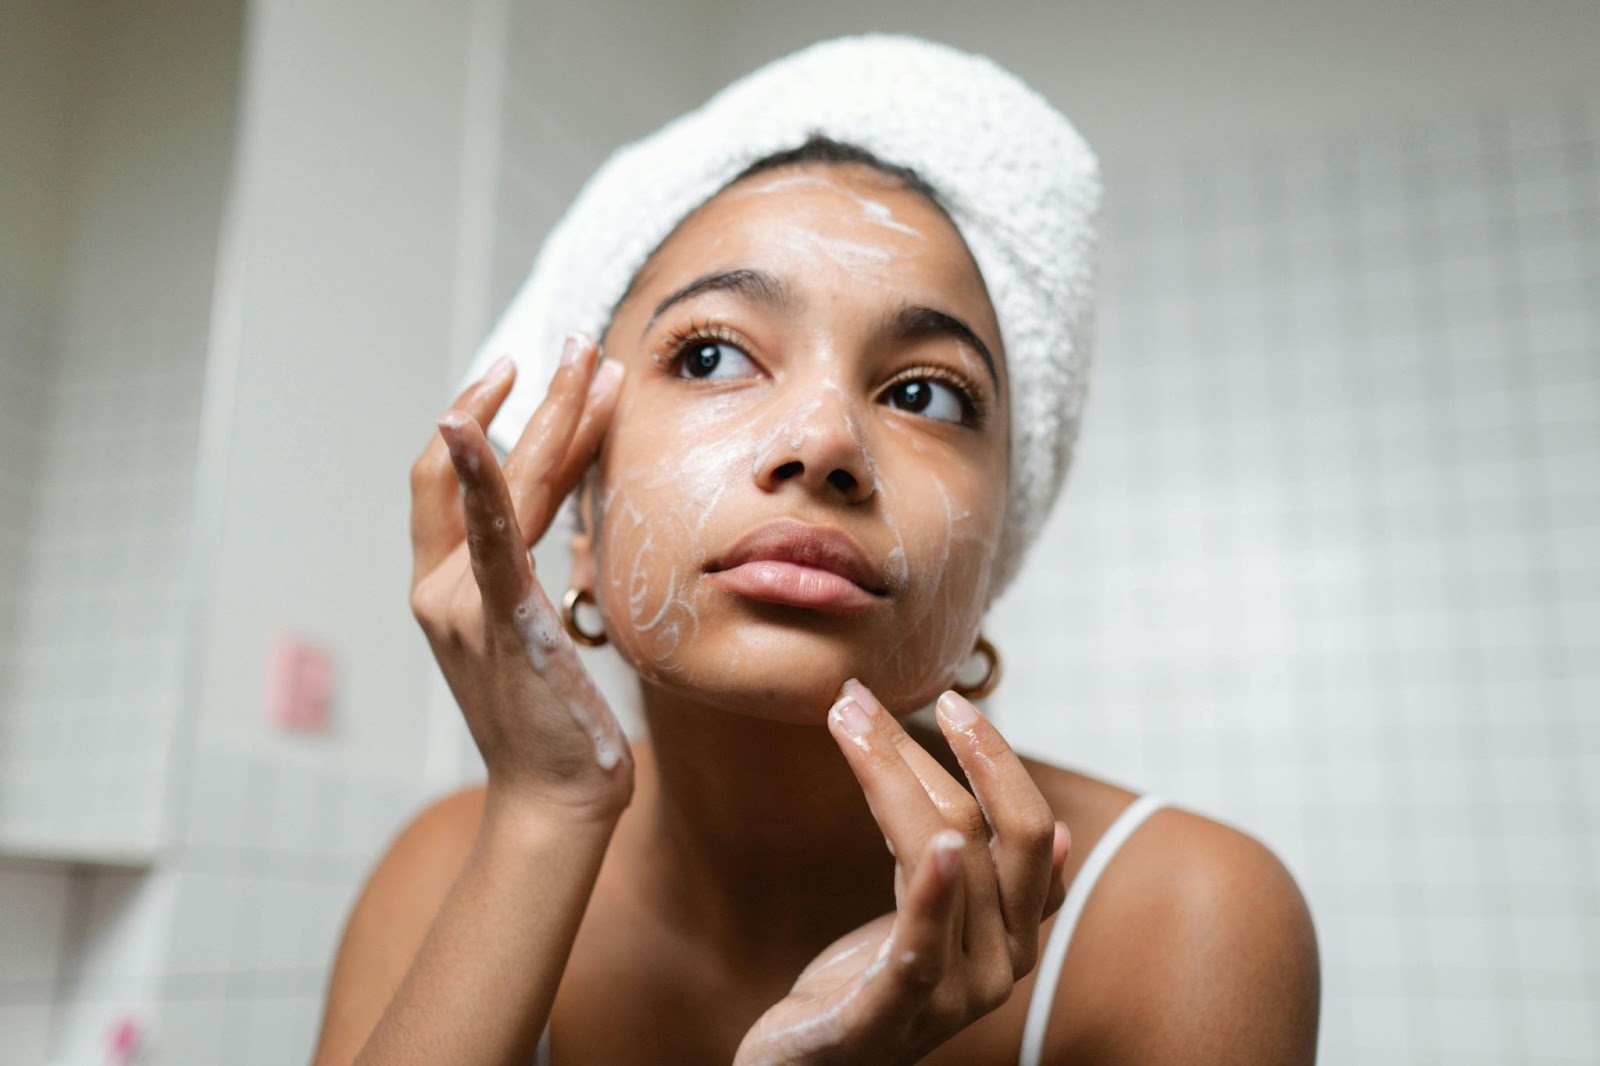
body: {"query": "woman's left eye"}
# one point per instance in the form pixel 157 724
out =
pixel 709 360
pixel 929 398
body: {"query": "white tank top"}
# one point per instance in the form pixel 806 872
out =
pixel 1054 954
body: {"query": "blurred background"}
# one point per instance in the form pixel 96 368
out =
pixel 1327 567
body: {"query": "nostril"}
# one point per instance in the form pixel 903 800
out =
pixel 788 470
pixel 843 480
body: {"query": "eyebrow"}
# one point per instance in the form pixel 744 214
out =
pixel 913 321
pixel 756 286
pixel 907 322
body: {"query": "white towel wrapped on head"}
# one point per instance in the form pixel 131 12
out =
pixel 1021 185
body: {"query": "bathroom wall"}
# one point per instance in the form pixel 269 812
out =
pixel 1329 565
pixel 114 405
pixel 117 132
pixel 329 348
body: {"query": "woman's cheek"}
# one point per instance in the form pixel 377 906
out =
pixel 950 541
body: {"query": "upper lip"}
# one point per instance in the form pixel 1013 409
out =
pixel 788 540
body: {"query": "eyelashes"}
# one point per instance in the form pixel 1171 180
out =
pixel 683 341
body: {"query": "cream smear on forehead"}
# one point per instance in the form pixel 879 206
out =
pixel 875 211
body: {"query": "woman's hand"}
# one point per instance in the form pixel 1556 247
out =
pixel 545 732
pixel 974 878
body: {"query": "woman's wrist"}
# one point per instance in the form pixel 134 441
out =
pixel 520 815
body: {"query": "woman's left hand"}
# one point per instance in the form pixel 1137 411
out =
pixel 974 878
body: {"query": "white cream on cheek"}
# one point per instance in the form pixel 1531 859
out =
pixel 654 519
pixel 656 515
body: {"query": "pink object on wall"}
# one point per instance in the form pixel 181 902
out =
pixel 124 1040
pixel 299 683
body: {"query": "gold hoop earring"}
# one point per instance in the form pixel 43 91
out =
pixel 569 617
pixel 991 675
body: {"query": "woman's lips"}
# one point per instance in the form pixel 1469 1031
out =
pixel 797 585
pixel 792 562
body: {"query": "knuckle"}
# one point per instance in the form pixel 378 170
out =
pixel 1038 836
pixel 434 609
pixel 426 471
pixel 992 986
pixel 480 544
pixel 967 817
pixel 1024 955
pixel 423 608
pixel 921 973
pixel 949 1004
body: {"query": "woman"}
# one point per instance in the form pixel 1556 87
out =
pixel 828 420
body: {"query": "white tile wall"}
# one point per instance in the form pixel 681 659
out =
pixel 96 650
pixel 1328 567
pixel 27 329
pixel 275 844
pixel 222 953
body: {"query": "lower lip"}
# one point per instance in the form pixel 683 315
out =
pixel 795 585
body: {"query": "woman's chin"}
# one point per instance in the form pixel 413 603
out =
pixel 783 673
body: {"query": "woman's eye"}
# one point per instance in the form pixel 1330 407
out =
pixel 929 398
pixel 714 361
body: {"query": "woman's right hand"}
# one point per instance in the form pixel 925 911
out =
pixel 545 732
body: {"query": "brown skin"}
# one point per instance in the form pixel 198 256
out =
pixel 747 842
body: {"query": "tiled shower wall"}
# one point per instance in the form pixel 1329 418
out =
pixel 1328 565
pixel 96 655
pixel 25 336
pixel 100 429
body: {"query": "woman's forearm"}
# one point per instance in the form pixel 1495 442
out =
pixel 479 991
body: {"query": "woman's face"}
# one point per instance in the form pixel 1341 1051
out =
pixel 805 478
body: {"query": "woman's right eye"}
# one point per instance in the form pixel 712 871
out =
pixel 710 360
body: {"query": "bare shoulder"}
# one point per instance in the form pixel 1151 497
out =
pixel 1195 946
pixel 391 917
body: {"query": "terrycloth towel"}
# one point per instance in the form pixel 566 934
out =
pixel 1020 183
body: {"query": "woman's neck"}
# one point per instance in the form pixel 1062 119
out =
pixel 753 835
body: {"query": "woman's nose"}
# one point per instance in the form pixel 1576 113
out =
pixel 818 443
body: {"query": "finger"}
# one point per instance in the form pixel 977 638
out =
pixel 958 806
pixel 898 802
pixel 534 460
pixel 983 926
pixel 924 940
pixel 436 522
pixel 500 564
pixel 604 390
pixel 1019 817
pixel 1061 847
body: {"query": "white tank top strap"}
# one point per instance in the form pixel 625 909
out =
pixel 1055 949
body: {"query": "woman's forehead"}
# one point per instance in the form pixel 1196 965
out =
pixel 840 227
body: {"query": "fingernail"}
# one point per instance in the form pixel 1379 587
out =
pixel 570 349
pixel 576 344
pixel 452 419
pixel 852 718
pixel 497 370
pixel 958 711
pixel 947 850
pixel 610 372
